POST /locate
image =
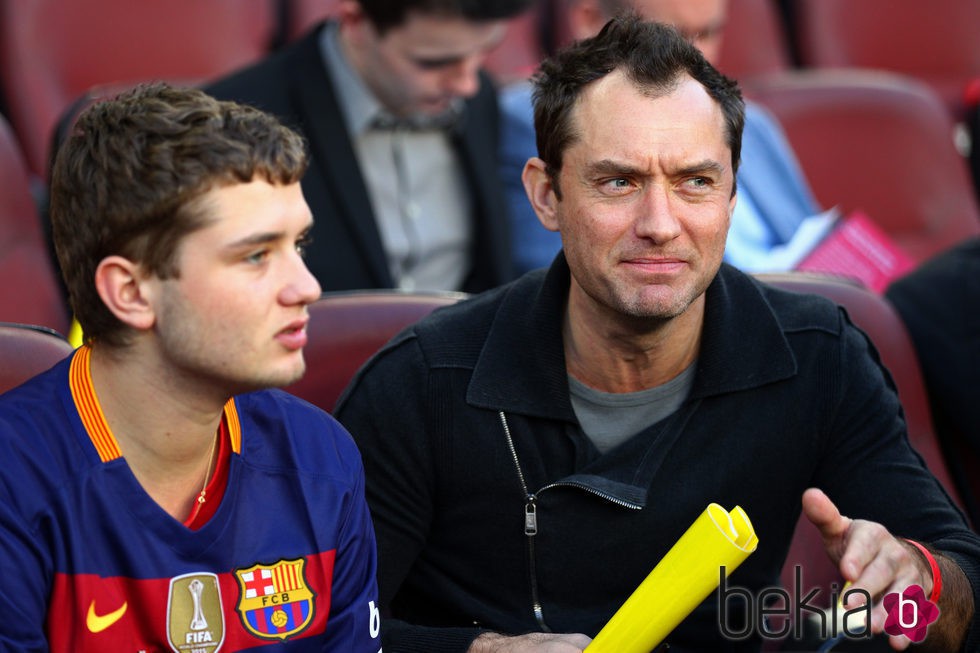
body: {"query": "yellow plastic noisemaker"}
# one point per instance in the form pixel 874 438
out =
pixel 679 582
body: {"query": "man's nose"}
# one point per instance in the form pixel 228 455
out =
pixel 463 79
pixel 301 287
pixel 655 217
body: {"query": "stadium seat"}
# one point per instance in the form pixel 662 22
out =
pixel 518 55
pixel 27 350
pixel 30 292
pixel 934 41
pixel 301 15
pixel 880 143
pixel 755 41
pixel 51 51
pixel 873 314
pixel 346 328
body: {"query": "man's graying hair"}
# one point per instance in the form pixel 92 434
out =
pixel 653 56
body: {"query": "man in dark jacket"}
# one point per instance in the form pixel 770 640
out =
pixel 533 452
pixel 940 304
pixel 402 127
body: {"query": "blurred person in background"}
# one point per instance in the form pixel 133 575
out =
pixel 402 124
pixel 939 302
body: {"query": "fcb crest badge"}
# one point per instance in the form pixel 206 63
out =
pixel 275 601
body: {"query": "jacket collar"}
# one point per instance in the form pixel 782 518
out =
pixel 521 368
pixel 321 116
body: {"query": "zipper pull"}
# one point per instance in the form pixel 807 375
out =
pixel 530 517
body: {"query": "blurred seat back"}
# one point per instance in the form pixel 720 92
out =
pixel 755 40
pixel 301 15
pixel 29 290
pixel 934 41
pixel 27 350
pixel 880 143
pixel 347 328
pixel 876 317
pixel 517 56
pixel 51 51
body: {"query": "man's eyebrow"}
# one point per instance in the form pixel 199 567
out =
pixel 263 237
pixel 611 167
pixel 701 167
pixel 252 240
pixel 437 62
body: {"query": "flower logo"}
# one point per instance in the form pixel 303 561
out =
pixel 909 613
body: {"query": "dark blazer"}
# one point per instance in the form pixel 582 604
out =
pixel 346 252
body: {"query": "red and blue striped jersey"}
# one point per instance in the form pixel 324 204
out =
pixel 89 562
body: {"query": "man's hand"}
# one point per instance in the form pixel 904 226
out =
pixel 871 559
pixel 530 643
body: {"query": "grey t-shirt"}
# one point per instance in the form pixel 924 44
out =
pixel 611 418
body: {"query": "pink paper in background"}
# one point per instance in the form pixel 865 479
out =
pixel 859 249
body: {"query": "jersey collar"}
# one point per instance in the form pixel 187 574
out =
pixel 90 411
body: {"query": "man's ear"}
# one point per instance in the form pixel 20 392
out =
pixel 124 288
pixel 541 192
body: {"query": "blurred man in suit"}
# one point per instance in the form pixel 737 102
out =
pixel 402 126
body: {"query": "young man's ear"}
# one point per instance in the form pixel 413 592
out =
pixel 122 285
pixel 541 192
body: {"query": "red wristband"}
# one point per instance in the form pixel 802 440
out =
pixel 937 576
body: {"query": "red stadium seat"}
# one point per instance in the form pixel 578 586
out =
pixel 29 290
pixel 51 51
pixel 879 143
pixel 518 55
pixel 301 15
pixel 934 41
pixel 755 41
pixel 26 351
pixel 873 314
pixel 346 328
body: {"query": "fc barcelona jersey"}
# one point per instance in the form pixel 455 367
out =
pixel 90 563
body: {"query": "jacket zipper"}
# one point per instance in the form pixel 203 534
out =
pixel 530 528
pixel 531 518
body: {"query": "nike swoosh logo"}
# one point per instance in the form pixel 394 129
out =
pixel 97 623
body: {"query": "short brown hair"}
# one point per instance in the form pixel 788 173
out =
pixel 654 56
pixel 125 180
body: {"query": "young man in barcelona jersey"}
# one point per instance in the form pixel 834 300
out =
pixel 155 494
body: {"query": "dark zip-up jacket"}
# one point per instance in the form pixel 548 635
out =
pixel 787 394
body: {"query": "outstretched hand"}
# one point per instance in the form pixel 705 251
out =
pixel 868 557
